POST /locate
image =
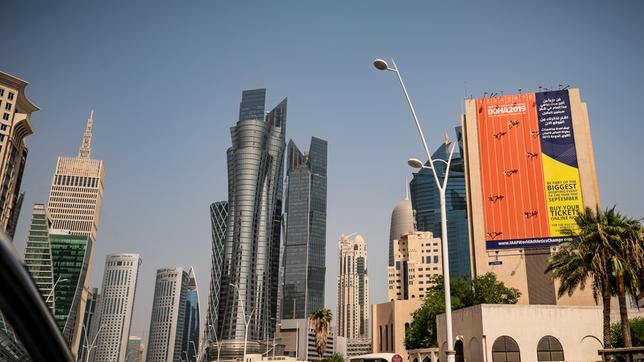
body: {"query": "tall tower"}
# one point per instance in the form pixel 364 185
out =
pixel 353 288
pixel 74 205
pixel 250 252
pixel 305 239
pixel 111 323
pixel 191 330
pixel 402 222
pixel 15 126
pixel 38 259
pixel 426 203
pixel 168 316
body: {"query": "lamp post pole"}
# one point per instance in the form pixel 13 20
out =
pixel 53 288
pixel 89 347
pixel 216 340
pixel 382 65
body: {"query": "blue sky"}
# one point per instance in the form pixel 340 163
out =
pixel 165 80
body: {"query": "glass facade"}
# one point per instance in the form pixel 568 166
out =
pixel 38 258
pixel 305 239
pixel 425 200
pixel 70 256
pixel 90 309
pixel 191 320
pixel 250 252
pixel 218 220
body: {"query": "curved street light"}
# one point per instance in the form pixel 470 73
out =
pixel 381 64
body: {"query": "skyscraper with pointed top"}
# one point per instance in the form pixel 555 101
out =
pixel 74 208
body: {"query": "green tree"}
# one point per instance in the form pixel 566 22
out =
pixel 610 254
pixel 321 320
pixel 464 292
pixel 336 357
pixel 637 334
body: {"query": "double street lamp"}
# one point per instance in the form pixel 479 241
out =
pixel 381 64
pixel 246 320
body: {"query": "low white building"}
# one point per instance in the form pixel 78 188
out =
pixel 513 332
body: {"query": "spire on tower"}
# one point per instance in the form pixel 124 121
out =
pixel 406 188
pixel 86 146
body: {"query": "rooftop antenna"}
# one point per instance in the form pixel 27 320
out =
pixel 406 188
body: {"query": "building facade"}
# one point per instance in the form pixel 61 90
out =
pixel 74 204
pixel 168 316
pixel 417 259
pixel 218 220
pixel 249 266
pixel 426 203
pixel 38 259
pixel 90 310
pixel 15 126
pixel 134 349
pixel 298 340
pixel 402 222
pixel 111 323
pixel 191 331
pixel 520 207
pixel 390 321
pixel 304 265
pixel 353 288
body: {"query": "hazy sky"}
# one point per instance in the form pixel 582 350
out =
pixel 165 81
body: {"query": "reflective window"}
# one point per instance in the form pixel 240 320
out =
pixel 505 349
pixel 549 349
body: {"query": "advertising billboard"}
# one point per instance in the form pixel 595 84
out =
pixel 529 172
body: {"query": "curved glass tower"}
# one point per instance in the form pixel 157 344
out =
pixel 249 264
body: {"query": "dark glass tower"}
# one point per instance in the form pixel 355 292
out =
pixel 250 252
pixel 191 319
pixel 305 239
pixel 425 200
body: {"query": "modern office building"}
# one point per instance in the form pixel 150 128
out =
pixel 353 288
pixel 304 252
pixel 191 320
pixel 113 316
pixel 74 204
pixel 90 310
pixel 70 259
pixel 402 222
pixel 15 126
pixel 134 349
pixel 250 254
pixel 530 170
pixel 168 316
pixel 218 219
pixel 426 202
pixel 38 259
pixel 417 259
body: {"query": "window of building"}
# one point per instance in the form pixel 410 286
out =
pixel 5 116
pixel 10 96
pixel 549 349
pixel 505 349
pixel 7 106
pixel 1 92
pixel 3 127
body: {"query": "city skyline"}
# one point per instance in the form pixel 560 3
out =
pixel 136 128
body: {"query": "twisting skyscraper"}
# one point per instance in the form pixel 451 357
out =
pixel 305 239
pixel 249 263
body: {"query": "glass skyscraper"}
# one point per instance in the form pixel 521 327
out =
pixel 425 200
pixel 190 341
pixel 305 226
pixel 38 258
pixel 249 264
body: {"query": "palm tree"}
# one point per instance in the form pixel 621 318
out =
pixel 610 252
pixel 321 320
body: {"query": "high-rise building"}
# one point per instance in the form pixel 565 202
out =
pixel 417 258
pixel 74 204
pixel 402 222
pixel 353 288
pixel 113 316
pixel 168 316
pixel 426 203
pixel 218 219
pixel 90 310
pixel 38 259
pixel 71 255
pixel 305 239
pixel 15 126
pixel 249 266
pixel 191 319
pixel 134 349
pixel 530 171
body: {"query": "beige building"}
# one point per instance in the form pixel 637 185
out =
pixel 74 204
pixel 513 332
pixel 15 126
pixel 389 322
pixel 297 339
pixel 353 288
pixel 515 188
pixel 417 258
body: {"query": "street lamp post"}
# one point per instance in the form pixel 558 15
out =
pixel 216 340
pixel 89 347
pixel 380 64
pixel 194 349
pixel 53 288
pixel 246 321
